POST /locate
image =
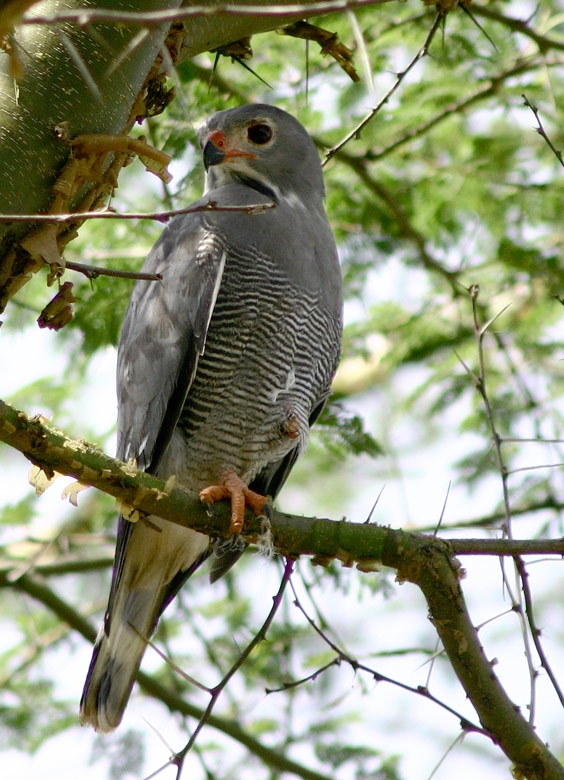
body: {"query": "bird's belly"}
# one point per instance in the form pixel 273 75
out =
pixel 254 389
pixel 242 425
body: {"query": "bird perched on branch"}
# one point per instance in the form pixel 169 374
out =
pixel 222 367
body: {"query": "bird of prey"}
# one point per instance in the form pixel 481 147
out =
pixel 222 367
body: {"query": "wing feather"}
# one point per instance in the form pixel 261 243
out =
pixel 163 335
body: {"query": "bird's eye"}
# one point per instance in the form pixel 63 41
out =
pixel 259 134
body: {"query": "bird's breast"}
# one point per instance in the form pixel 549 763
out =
pixel 270 353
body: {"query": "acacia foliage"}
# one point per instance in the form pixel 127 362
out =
pixel 448 188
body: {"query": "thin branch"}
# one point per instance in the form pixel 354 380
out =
pixel 310 677
pixel 465 724
pixel 507 547
pixel 519 25
pixel 175 703
pixel 160 216
pixel 216 692
pixel 85 16
pixel 355 133
pixel 459 107
pixel 542 132
pixel 94 271
pixel 480 383
pixel 64 565
pixel 493 519
pixel 535 631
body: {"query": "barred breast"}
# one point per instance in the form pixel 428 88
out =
pixel 270 354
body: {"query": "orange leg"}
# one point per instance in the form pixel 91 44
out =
pixel 240 495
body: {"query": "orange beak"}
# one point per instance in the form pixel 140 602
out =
pixel 216 150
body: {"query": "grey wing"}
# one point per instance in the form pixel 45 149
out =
pixel 163 336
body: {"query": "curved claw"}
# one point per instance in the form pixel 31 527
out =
pixel 240 496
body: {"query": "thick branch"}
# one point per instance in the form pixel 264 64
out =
pixel 426 561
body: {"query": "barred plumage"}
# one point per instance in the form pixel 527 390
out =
pixel 263 328
pixel 222 367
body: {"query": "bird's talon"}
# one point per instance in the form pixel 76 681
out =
pixel 236 525
pixel 240 496
pixel 214 493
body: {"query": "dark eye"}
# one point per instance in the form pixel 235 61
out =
pixel 259 134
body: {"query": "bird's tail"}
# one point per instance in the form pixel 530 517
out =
pixel 157 559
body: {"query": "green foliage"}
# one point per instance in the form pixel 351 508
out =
pixel 19 513
pixel 342 433
pixel 33 715
pixel 338 754
pixel 125 754
pixel 448 186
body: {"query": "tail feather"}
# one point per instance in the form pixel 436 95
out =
pixel 158 553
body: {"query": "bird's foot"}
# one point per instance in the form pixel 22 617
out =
pixel 240 495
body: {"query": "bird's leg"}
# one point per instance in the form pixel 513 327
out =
pixel 233 487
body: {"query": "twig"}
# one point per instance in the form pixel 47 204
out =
pixel 85 16
pixel 425 561
pixel 216 692
pixel 507 547
pixel 62 566
pixel 458 107
pixel 492 520
pixel 399 78
pixel 153 687
pixel 313 676
pixel 465 724
pixel 542 132
pixel 160 216
pixel 520 26
pixel 94 271
pixel 480 383
pixel 535 631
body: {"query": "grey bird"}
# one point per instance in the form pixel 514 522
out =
pixel 222 368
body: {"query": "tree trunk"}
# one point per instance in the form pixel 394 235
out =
pixel 62 80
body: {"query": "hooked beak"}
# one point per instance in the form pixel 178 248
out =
pixel 216 150
pixel 212 154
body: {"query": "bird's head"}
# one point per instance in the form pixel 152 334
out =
pixel 263 147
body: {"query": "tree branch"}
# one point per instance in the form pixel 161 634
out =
pixel 520 26
pixel 159 216
pixel 355 132
pixel 425 561
pixel 216 692
pixel 85 16
pixel 112 80
pixel 175 703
